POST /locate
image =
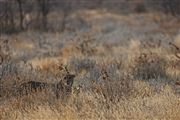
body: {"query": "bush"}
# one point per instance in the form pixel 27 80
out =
pixel 149 66
pixel 171 6
pixel 140 8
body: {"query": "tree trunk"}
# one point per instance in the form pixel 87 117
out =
pixel 44 9
pixel 20 13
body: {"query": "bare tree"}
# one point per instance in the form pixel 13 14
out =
pixel 8 17
pixel 44 11
pixel 20 2
pixel 171 7
pixel 65 9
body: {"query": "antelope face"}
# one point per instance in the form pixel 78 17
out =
pixel 69 79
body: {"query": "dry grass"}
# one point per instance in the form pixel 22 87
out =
pixel 138 80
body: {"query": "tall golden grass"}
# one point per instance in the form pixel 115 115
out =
pixel 113 81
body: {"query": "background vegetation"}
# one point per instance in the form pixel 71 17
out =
pixel 125 56
pixel 20 15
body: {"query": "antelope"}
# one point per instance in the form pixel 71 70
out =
pixel 64 87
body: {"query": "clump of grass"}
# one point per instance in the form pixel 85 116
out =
pixel 149 66
pixel 112 90
pixel 82 64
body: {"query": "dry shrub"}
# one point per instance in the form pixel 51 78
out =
pixel 49 65
pixel 148 66
pixel 111 89
pixel 173 67
pixel 69 51
pixel 142 89
pixel 20 45
pixel 86 45
pixel 83 64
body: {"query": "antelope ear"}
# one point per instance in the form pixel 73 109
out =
pixel 60 68
pixel 65 77
pixel 73 76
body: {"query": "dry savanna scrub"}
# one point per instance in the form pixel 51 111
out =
pixel 121 67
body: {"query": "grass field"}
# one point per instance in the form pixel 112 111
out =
pixel 124 69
